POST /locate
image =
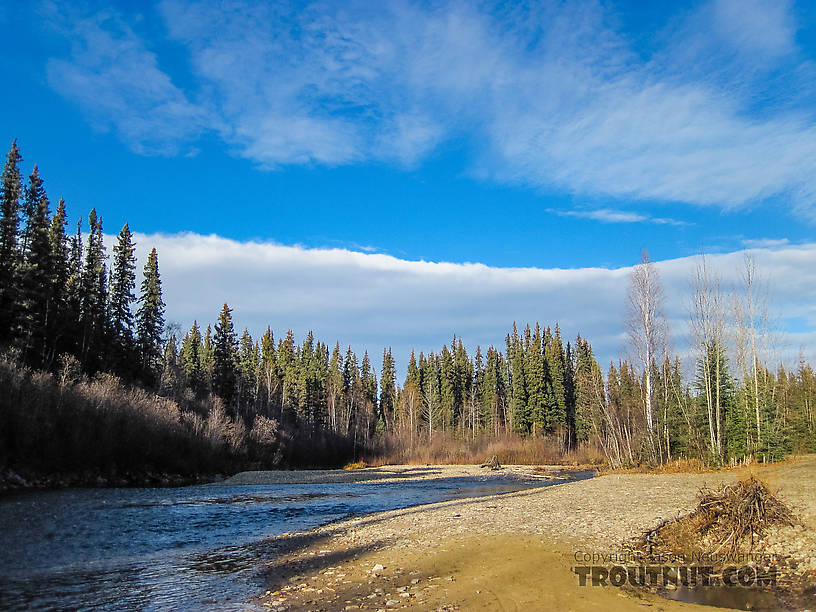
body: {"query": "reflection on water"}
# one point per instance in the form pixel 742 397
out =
pixel 189 547
pixel 736 598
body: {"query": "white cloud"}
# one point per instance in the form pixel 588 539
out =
pixel 547 94
pixel 608 215
pixel 374 300
pixel 117 81
pixel 765 243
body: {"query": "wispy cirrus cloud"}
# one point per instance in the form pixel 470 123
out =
pixel 608 215
pixel 112 75
pixel 547 95
pixel 765 243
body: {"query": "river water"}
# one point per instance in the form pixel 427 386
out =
pixel 197 547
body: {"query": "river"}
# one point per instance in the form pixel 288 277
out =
pixel 197 547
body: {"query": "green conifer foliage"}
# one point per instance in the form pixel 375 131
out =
pixel 388 389
pixel 334 388
pixel 34 196
pixel 58 322
pixel 535 381
pixel 123 284
pixel 93 294
pixel 34 284
pixel 170 382
pixel 556 370
pixel 225 357
pixel 249 359
pixel 150 318
pixel 519 413
pixel 9 227
pixel 190 357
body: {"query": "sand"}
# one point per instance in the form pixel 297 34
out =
pixel 507 552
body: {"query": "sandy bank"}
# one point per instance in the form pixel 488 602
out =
pixel 509 552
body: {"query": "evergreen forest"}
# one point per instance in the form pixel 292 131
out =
pixel 93 381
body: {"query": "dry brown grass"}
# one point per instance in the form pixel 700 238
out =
pixel 678 466
pixel 509 450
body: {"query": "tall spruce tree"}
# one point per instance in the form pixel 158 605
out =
pixel 534 374
pixel 34 284
pixel 73 294
pixel 34 195
pixel 191 358
pixel 150 319
pixel 9 227
pixel 225 357
pixel 555 361
pixel 388 390
pixel 519 414
pixel 93 294
pixel 58 273
pixel 123 283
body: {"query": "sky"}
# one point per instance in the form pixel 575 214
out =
pixel 392 173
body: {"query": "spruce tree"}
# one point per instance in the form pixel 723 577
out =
pixel 269 367
pixel 150 318
pixel 388 390
pixel 225 357
pixel 170 381
pixel 9 227
pixel 447 386
pixel 519 414
pixel 34 285
pixel 123 283
pixel 191 358
pixel 351 393
pixel 555 363
pixel 93 294
pixel 368 381
pixel 534 378
pixel 334 387
pixel 207 360
pixel 34 195
pixel 58 273
pixel 248 361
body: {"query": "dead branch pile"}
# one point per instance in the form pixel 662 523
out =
pixel 492 463
pixel 739 512
pixel 725 518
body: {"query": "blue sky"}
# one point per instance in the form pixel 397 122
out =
pixel 545 135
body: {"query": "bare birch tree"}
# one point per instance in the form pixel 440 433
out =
pixel 646 328
pixel 708 332
pixel 751 313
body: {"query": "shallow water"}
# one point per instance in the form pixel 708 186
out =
pixel 190 547
pixel 735 598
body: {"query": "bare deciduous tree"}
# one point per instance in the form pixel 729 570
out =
pixel 646 327
pixel 751 313
pixel 708 331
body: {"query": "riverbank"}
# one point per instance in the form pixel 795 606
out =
pixel 512 551
pixel 404 473
pixel 11 481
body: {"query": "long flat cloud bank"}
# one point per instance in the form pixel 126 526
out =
pixel 371 301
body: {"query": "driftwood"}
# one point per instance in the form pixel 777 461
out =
pixel 492 463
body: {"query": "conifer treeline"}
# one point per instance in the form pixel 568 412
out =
pixel 57 296
pixel 537 386
pixel 267 398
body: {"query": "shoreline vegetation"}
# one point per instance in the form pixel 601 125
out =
pixel 99 387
